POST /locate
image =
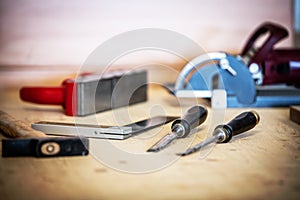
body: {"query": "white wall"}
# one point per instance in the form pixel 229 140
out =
pixel 61 32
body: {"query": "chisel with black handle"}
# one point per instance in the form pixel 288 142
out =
pixel 181 128
pixel 223 133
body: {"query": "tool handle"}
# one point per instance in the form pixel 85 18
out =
pixel 240 124
pixel 43 95
pixel 16 128
pixel 244 122
pixel 276 33
pixel 193 117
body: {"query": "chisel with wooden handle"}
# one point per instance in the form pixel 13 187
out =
pixel 29 142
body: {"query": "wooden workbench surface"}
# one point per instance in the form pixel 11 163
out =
pixel 261 164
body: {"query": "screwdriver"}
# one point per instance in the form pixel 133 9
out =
pixel 223 133
pixel 181 127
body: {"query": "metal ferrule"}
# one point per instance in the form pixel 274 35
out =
pixel 256 116
pixel 221 134
pixel 179 130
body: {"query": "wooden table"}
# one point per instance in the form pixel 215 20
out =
pixel 264 163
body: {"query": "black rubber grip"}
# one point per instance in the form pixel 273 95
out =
pixel 243 122
pixel 240 124
pixel 193 117
pixel 45 147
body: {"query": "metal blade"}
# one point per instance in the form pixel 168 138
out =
pixel 163 142
pixel 199 146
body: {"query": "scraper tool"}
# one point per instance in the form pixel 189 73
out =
pixel 101 131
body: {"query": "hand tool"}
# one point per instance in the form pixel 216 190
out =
pixel 258 70
pixel 223 133
pixel 268 65
pixel 100 131
pixel 181 128
pixel 30 142
pixel 90 93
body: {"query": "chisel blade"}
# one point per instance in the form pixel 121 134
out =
pixel 163 142
pixel 197 147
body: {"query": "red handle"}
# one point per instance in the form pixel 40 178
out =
pixel 282 66
pixel 277 33
pixel 64 95
pixel 43 95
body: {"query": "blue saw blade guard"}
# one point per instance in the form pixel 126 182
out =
pixel 202 78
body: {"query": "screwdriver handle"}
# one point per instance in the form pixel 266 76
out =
pixel 244 122
pixel 240 124
pixel 193 117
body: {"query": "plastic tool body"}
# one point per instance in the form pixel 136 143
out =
pixel 269 75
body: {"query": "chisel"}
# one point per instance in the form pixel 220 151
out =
pixel 100 131
pixel 181 128
pixel 223 133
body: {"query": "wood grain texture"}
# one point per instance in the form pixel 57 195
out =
pixel 295 114
pixel 263 163
pixel 12 127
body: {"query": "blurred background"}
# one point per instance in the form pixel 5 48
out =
pixel 57 36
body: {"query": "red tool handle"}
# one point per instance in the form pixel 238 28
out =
pixel 43 95
pixel 64 95
pixel 276 33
